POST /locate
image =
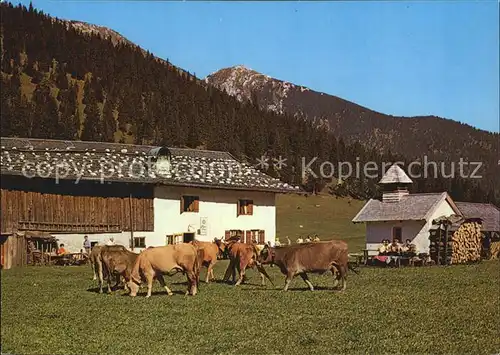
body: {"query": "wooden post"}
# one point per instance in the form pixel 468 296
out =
pixel 131 228
pixel 438 246
pixel 446 244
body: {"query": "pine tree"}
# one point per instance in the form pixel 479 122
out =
pixel 6 123
pixel 46 120
pixel 92 127
pixel 61 79
pixel 109 121
pixel 68 108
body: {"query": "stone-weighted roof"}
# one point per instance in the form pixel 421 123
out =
pixel 131 163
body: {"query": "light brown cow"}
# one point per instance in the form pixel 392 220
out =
pixel 155 262
pixel 241 257
pixel 118 262
pixel 96 260
pixel 301 259
pixel 210 252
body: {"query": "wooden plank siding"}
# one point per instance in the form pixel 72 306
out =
pixel 76 208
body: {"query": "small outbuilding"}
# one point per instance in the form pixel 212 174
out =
pixel 401 215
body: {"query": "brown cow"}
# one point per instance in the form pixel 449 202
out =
pixel 243 256
pixel 301 259
pixel 118 262
pixel 210 252
pixel 153 263
pixel 96 260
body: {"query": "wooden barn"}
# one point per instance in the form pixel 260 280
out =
pixel 139 195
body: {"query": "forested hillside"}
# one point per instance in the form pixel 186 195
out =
pixel 58 82
pixel 435 136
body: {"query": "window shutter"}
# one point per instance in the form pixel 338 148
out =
pixel 250 207
pixel 196 205
pixel 182 204
pixel 248 237
pixel 227 235
pixel 262 239
pixel 238 208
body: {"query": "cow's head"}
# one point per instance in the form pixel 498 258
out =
pixel 266 256
pixel 133 285
pixel 221 245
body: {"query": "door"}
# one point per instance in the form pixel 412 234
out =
pixel 397 233
pixel 3 249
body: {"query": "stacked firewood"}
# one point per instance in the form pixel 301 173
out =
pixel 495 250
pixel 466 243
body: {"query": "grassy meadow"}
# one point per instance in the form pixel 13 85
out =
pixel 421 310
pixel 327 216
pixel 431 310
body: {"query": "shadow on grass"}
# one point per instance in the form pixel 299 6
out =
pixel 105 289
pixel 163 293
pixel 291 289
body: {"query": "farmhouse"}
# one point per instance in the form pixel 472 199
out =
pixel 140 195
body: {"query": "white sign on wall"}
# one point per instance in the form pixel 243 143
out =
pixel 203 225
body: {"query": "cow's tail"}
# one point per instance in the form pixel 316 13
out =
pixel 92 265
pixel 198 261
pixel 135 275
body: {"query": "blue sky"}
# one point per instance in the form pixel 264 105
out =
pixel 400 58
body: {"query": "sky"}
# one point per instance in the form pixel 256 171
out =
pixel 400 58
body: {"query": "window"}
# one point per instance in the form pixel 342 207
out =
pixel 187 237
pixel 174 238
pixel 139 242
pixel 255 236
pixel 261 239
pixel 190 204
pixel 234 233
pixel 397 233
pixel 245 207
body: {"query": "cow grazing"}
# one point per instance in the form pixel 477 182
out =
pixel 301 259
pixel 96 260
pixel 241 257
pixel 211 250
pixel 118 262
pixel 155 262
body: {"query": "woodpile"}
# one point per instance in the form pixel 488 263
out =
pixel 466 243
pixel 494 250
pixel 455 241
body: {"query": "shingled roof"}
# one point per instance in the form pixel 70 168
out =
pixel 412 207
pixel 395 175
pixel 490 214
pixel 131 163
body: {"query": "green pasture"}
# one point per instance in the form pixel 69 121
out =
pixel 327 216
pixel 421 310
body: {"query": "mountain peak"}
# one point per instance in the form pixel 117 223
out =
pixel 349 120
pixel 242 82
pixel 241 67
